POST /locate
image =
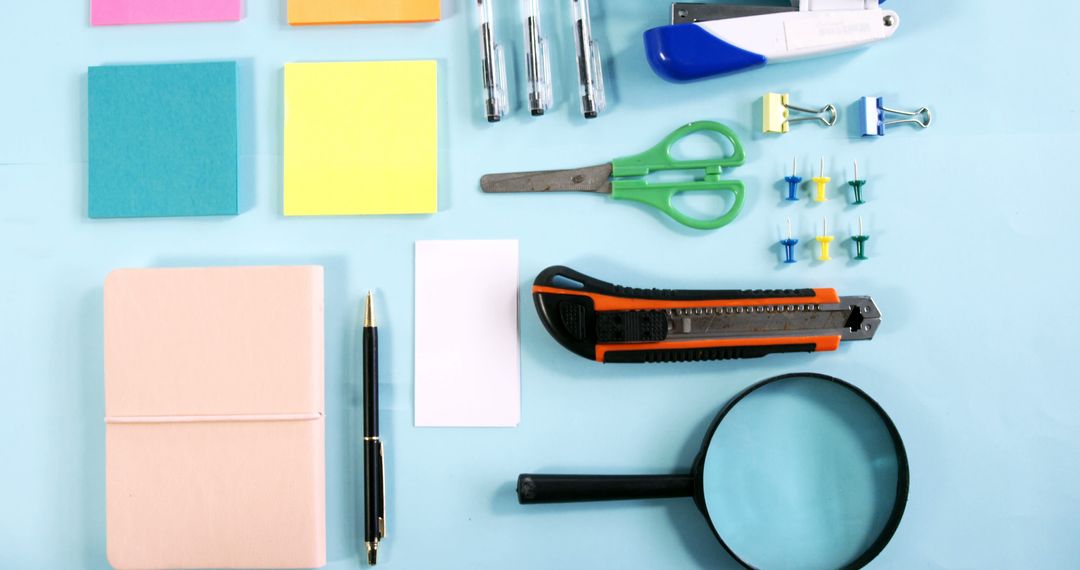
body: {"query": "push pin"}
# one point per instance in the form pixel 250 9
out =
pixel 873 117
pixel 777 110
pixel 824 239
pixel 857 185
pixel 793 182
pixel 789 245
pixel 822 182
pixel 860 243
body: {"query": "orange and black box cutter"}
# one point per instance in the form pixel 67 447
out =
pixel 609 323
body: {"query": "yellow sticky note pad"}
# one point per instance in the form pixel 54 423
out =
pixel 361 138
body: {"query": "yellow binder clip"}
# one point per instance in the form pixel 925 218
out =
pixel 777 110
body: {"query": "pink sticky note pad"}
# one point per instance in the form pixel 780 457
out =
pixel 121 12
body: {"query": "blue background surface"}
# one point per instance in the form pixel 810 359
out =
pixel 972 265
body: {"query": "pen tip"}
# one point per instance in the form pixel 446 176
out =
pixel 372 553
pixel 369 310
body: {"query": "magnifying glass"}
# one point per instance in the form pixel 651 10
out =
pixel 799 471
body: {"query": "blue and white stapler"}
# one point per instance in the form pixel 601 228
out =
pixel 705 40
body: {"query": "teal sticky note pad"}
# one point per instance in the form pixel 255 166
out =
pixel 163 140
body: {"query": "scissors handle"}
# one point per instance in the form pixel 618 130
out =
pixel 660 195
pixel 659 157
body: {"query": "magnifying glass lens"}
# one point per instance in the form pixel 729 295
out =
pixel 801 473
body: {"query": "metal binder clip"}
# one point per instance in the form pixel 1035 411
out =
pixel 873 117
pixel 777 109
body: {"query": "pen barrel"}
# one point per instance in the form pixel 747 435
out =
pixel 583 43
pixel 371 382
pixel 533 64
pixel 532 49
pixel 374 517
pixel 487 47
pixel 373 489
pixel 590 74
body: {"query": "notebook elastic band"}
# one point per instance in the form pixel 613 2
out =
pixel 212 418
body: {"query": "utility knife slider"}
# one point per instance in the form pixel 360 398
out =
pixel 609 323
pixel 706 40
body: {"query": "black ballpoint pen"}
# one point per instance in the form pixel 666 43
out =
pixel 374 471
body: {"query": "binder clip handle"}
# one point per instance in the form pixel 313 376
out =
pixel 818 114
pixel 874 121
pixel 921 117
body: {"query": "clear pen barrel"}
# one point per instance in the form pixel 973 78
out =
pixel 590 70
pixel 537 60
pixel 492 68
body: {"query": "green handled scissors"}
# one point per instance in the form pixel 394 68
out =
pixel 623 178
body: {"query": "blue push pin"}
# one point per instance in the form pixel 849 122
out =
pixel 793 183
pixel 789 245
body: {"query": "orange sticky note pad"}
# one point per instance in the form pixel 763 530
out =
pixel 315 12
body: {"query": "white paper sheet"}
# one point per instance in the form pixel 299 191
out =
pixel 467 360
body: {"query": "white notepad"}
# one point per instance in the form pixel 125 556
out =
pixel 467 342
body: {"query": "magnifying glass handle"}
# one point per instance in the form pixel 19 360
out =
pixel 535 489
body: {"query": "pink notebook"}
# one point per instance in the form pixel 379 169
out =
pixel 214 418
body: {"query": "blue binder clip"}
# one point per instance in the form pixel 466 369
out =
pixel 873 110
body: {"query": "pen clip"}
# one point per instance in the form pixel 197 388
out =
pixel 382 485
pixel 597 85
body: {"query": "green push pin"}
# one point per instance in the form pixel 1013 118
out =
pixel 860 243
pixel 858 186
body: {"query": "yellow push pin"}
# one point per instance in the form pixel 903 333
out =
pixel 776 109
pixel 822 182
pixel 824 239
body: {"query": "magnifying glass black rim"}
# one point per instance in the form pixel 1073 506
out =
pixel 902 480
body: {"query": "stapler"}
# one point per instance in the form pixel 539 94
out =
pixel 706 40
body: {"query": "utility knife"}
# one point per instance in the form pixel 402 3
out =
pixel 609 323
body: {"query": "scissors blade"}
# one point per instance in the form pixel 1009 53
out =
pixel 590 179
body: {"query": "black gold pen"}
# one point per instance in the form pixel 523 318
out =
pixel 374 471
